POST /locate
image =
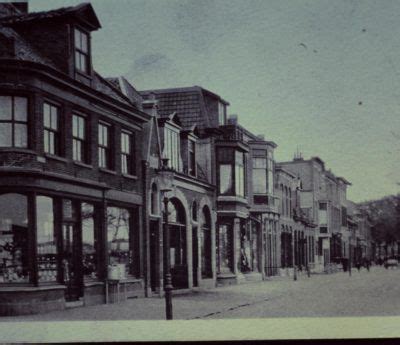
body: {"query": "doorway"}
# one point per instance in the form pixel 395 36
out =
pixel 195 261
pixel 71 262
pixel 154 255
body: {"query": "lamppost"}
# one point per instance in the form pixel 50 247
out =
pixel 166 176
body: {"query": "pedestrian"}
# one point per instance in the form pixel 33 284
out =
pixel 358 265
pixel 368 264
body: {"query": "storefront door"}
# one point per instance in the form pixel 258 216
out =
pixel 71 261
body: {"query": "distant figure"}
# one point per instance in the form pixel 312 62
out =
pixel 358 265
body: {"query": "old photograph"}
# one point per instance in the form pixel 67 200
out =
pixel 170 160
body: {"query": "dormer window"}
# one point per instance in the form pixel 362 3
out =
pixel 81 51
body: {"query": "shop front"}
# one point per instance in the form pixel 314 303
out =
pixel 53 251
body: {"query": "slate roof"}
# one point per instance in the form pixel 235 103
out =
pixel 187 102
pixel 26 18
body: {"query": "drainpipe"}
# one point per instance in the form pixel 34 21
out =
pixel 145 226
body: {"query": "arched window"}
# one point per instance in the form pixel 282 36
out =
pixel 14 266
pixel 154 199
pixel 206 271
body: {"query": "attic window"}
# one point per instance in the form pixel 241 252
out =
pixel 81 51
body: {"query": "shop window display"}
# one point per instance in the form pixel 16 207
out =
pixel 88 242
pixel 46 240
pixel 13 239
pixel 118 238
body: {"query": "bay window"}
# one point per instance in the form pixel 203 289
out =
pixel 51 129
pixel 231 172
pixel 13 121
pixel 259 175
pixel 239 174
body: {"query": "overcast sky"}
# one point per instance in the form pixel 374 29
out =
pixel 319 75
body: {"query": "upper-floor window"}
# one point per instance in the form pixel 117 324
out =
pixel 51 129
pixel 270 167
pixel 13 121
pixel 192 158
pixel 127 166
pixel 323 213
pixel 172 148
pixel 79 138
pixel 221 114
pixel 81 51
pixel 104 146
pixel 240 174
pixel 231 172
pixel 259 175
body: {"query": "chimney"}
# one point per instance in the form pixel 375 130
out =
pixel 261 137
pixel 232 119
pixel 22 6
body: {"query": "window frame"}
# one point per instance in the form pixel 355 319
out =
pixel 56 132
pixel 130 156
pixel 79 51
pixel 172 147
pixel 102 147
pixel 84 155
pixel 13 122
pixel 192 158
pixel 229 158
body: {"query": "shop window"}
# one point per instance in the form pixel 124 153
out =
pixel 14 255
pixel 224 250
pixel 119 238
pixel 46 240
pixel 206 271
pixel 81 51
pixel 89 252
pixel 51 134
pixel 79 136
pixel 13 121
pixel 127 166
pixel 104 146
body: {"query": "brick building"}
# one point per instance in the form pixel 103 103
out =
pixel 70 186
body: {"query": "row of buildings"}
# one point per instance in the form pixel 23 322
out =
pixel 82 180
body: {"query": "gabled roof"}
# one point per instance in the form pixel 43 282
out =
pixel 83 12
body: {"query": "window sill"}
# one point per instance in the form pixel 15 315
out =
pixel 107 171
pixel 32 288
pixel 84 165
pixel 17 149
pixel 131 177
pixel 56 158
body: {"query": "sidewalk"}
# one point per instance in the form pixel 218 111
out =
pixel 191 305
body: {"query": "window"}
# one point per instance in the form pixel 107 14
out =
pixel 206 270
pixel 270 173
pixel 221 114
pixel 14 256
pixel 89 256
pixel 120 246
pixel 50 124
pixel 344 216
pixel 172 148
pixel 259 175
pixel 127 166
pixel 13 121
pixel 79 138
pixel 81 51
pixel 239 174
pixel 46 240
pixel 192 158
pixel 154 199
pixel 322 214
pixel 231 172
pixel 104 146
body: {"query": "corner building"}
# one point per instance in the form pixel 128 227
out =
pixel 70 188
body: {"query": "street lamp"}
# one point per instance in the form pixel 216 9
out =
pixel 166 176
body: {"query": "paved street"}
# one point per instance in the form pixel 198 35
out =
pixel 374 293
